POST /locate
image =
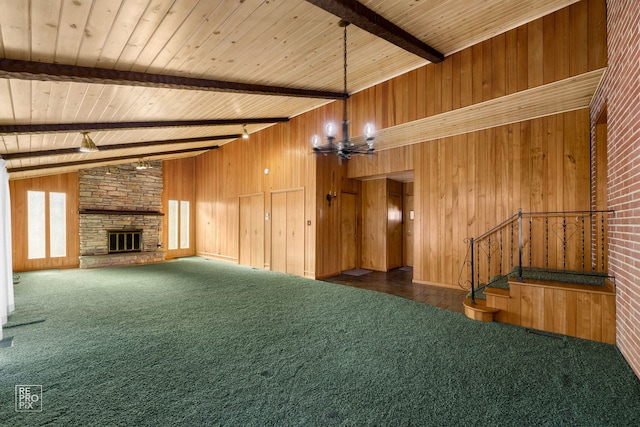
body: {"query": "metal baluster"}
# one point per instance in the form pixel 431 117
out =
pixel 546 241
pixel 511 249
pixel 602 240
pixel 530 239
pixel 478 263
pixel 582 222
pixel 489 259
pixel 500 268
pixel 564 242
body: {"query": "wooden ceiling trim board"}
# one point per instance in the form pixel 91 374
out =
pixel 39 101
pixel 365 18
pixel 558 97
pixel 179 36
pixel 97 30
pixel 222 45
pixel 72 23
pixel 6 106
pixel 10 143
pixel 227 16
pixel 158 41
pixel 144 30
pixel 79 127
pixel 109 147
pixel 511 15
pixel 57 98
pixel 127 17
pixel 84 163
pixel 305 43
pixel 131 104
pixel 14 23
pixel 44 30
pixel 271 37
pixel 29 70
pixel 21 99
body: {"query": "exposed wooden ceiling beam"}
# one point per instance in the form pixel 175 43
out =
pixel 80 127
pixel 106 159
pixel 365 18
pixel 29 70
pixel 123 146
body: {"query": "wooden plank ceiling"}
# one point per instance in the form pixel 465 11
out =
pixel 290 45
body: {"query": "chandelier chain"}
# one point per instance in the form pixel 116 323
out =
pixel 345 74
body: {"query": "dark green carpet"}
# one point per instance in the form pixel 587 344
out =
pixel 198 342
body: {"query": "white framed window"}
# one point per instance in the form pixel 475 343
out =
pixel 184 224
pixel 178 224
pixel 46 215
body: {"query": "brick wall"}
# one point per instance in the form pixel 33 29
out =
pixel 125 189
pixel 622 89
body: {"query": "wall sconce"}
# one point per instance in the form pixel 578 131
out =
pixel 331 197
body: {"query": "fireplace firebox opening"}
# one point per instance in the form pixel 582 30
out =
pixel 124 241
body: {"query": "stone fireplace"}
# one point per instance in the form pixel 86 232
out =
pixel 120 216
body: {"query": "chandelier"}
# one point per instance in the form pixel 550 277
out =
pixel 344 148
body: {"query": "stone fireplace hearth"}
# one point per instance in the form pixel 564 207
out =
pixel 125 200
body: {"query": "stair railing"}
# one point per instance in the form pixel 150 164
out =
pixel 572 241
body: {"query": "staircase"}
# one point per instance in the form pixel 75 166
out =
pixel 544 271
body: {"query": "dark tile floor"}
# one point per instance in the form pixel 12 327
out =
pixel 398 282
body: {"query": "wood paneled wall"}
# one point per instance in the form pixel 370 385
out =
pixel 566 43
pixel 65 183
pixel 239 168
pixel 179 184
pixel 463 185
pixel 467 184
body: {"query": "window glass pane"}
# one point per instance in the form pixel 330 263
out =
pixel 173 224
pixel 58 224
pixel 184 225
pixel 35 225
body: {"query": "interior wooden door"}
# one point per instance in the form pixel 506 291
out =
pixel 287 232
pixel 279 232
pixel 349 232
pixel 244 244
pixel 408 224
pixel 295 232
pixel 394 231
pixel 251 245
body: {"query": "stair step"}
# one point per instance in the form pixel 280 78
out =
pixel 497 292
pixel 479 310
pixel 607 290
